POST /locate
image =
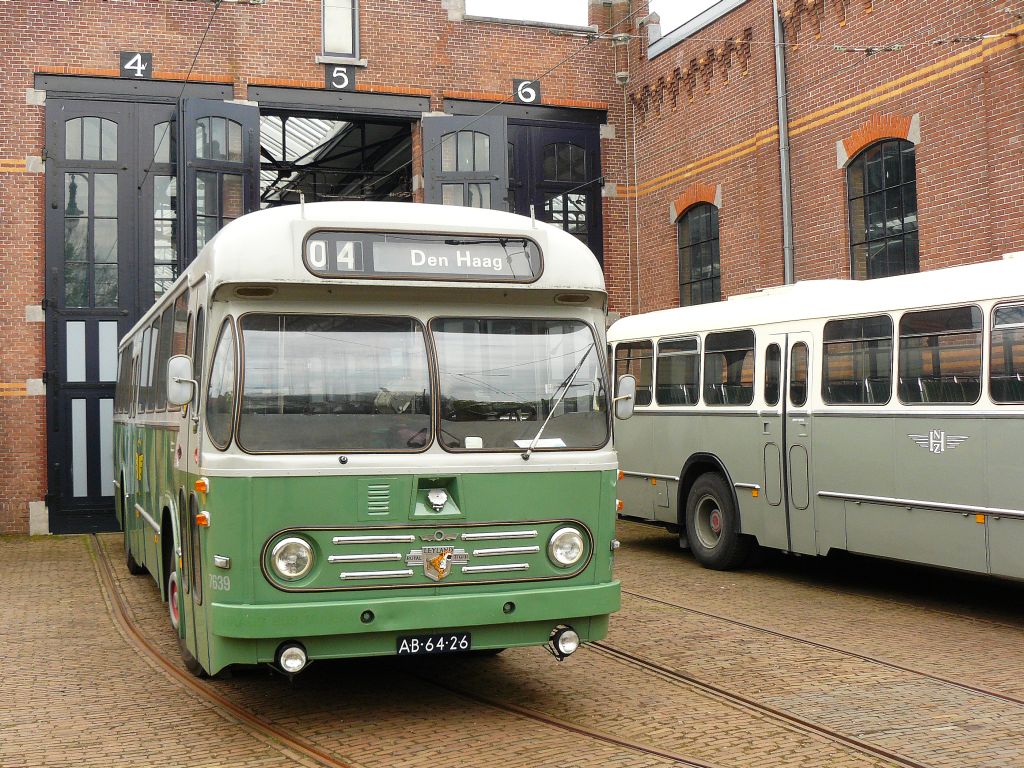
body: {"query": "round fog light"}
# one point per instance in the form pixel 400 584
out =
pixel 292 558
pixel 565 547
pixel 292 659
pixel 567 642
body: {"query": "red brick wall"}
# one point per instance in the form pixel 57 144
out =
pixel 411 47
pixel 970 166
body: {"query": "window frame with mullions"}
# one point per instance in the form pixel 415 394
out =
pixel 859 211
pixel 687 278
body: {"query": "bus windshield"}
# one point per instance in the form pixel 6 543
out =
pixel 333 383
pixel 501 378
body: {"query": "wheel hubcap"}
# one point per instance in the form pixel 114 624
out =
pixel 172 599
pixel 708 522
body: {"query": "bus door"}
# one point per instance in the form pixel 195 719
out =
pixel 190 441
pixel 799 427
pixel 775 531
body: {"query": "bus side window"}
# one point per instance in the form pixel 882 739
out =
pixel 163 355
pixel 857 361
pixel 940 356
pixel 729 368
pixel 1006 363
pixel 197 358
pixel 798 357
pixel 220 399
pixel 678 377
pixel 142 388
pixel 637 358
pixel 772 374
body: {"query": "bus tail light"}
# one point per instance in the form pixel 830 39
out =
pixel 202 485
pixel 619 506
pixel 203 519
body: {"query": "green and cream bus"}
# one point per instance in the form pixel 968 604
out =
pixel 883 417
pixel 357 429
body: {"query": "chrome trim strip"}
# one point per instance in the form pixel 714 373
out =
pixel 117 485
pixel 381 558
pixel 145 516
pixel 498 535
pixel 751 486
pixel 650 474
pixel 375 574
pixel 495 568
pixel 505 551
pixel 968 508
pixel 395 539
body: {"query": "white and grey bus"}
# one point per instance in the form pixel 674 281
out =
pixel 882 417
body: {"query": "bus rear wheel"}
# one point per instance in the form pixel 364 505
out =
pixel 713 525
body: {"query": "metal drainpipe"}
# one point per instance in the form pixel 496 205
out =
pixel 785 177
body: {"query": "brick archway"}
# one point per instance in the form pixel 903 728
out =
pixel 693 194
pixel 878 127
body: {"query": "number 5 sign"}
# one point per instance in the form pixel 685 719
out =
pixel 340 78
pixel 526 91
pixel 136 64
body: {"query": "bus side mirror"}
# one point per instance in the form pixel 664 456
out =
pixel 180 383
pixel 626 397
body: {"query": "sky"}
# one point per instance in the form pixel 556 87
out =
pixel 673 12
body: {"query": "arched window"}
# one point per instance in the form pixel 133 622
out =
pixel 699 263
pixel 882 190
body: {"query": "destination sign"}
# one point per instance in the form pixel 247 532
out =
pixel 484 258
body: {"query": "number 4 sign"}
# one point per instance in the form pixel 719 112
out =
pixel 136 64
pixel 526 91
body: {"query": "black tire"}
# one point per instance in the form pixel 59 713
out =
pixel 712 525
pixel 177 623
pixel 486 652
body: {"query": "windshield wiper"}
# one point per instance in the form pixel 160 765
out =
pixel 564 386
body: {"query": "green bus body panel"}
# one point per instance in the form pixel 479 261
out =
pixel 393 614
pixel 247 622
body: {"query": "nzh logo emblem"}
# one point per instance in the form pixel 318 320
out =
pixel 937 441
pixel 437 561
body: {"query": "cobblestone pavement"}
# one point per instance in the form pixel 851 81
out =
pixel 76 691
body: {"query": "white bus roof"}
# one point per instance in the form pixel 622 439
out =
pixel 266 246
pixel 816 299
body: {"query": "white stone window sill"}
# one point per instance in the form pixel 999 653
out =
pixel 327 59
pixel 526 23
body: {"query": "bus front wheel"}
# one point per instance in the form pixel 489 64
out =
pixel 174 601
pixel 713 525
pixel 134 568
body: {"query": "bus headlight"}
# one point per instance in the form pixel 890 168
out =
pixel 292 558
pixel 565 547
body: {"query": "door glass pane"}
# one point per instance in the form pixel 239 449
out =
pixel 234 141
pixel 106 447
pixel 90 138
pixel 108 350
pixel 73 139
pixel 105 194
pixel 109 141
pixel 76 194
pixel 76 233
pixel 165 191
pixel 479 195
pixel 218 138
pixel 203 138
pixel 105 276
pixel 206 228
pixel 798 374
pixel 465 150
pixel 162 143
pixel 772 374
pixel 76 285
pixel 232 196
pixel 448 152
pixel 206 194
pixel 451 194
pixel 79 449
pixel 105 241
pixel 220 399
pixel 482 143
pixel 75 340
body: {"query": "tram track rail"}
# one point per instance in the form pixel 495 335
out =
pixel 752 705
pixel 266 730
pixel 968 687
pixel 122 616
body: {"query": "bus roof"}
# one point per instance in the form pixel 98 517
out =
pixel 816 299
pixel 266 246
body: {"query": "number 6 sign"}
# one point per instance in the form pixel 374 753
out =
pixel 526 91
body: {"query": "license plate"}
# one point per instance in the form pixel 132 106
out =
pixel 449 642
